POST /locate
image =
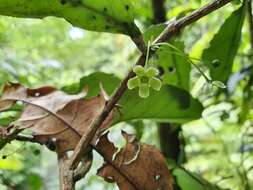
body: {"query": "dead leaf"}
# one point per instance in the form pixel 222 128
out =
pixel 11 90
pixel 51 113
pixel 136 167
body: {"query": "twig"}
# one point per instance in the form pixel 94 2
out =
pixel 176 26
pixel 169 31
pixel 139 42
pixel 66 176
pixel 26 139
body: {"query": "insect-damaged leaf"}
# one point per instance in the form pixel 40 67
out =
pixel 219 56
pixel 135 167
pixel 51 113
pixel 96 15
pixel 171 58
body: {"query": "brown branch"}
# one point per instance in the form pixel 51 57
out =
pixel 170 30
pixel 176 26
pixel 66 176
pixel 139 42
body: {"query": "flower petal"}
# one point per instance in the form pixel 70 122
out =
pixel 155 83
pixel 152 72
pixel 133 82
pixel 144 91
pixel 139 70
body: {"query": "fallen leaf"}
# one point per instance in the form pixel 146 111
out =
pixel 51 113
pixel 135 167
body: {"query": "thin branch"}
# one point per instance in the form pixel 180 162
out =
pixel 27 139
pixel 176 26
pixel 139 42
pixel 166 35
pixel 66 176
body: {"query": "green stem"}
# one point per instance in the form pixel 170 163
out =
pixel 147 55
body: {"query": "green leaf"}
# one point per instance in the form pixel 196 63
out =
pixel 35 181
pixel 219 56
pixel 186 179
pixel 153 32
pixel 3 143
pixel 175 66
pixel 5 121
pixel 109 83
pixel 168 104
pixel 93 82
pixel 98 15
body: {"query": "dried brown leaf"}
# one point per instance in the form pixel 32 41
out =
pixel 51 113
pixel 136 167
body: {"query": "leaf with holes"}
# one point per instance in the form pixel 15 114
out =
pixel 175 67
pixel 219 56
pixel 173 61
pixel 135 167
pixel 96 15
pixel 51 113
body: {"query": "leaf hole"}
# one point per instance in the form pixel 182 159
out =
pixel 4 157
pixel 171 69
pixel 63 2
pixel 216 63
pixel 125 23
pixel 127 7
